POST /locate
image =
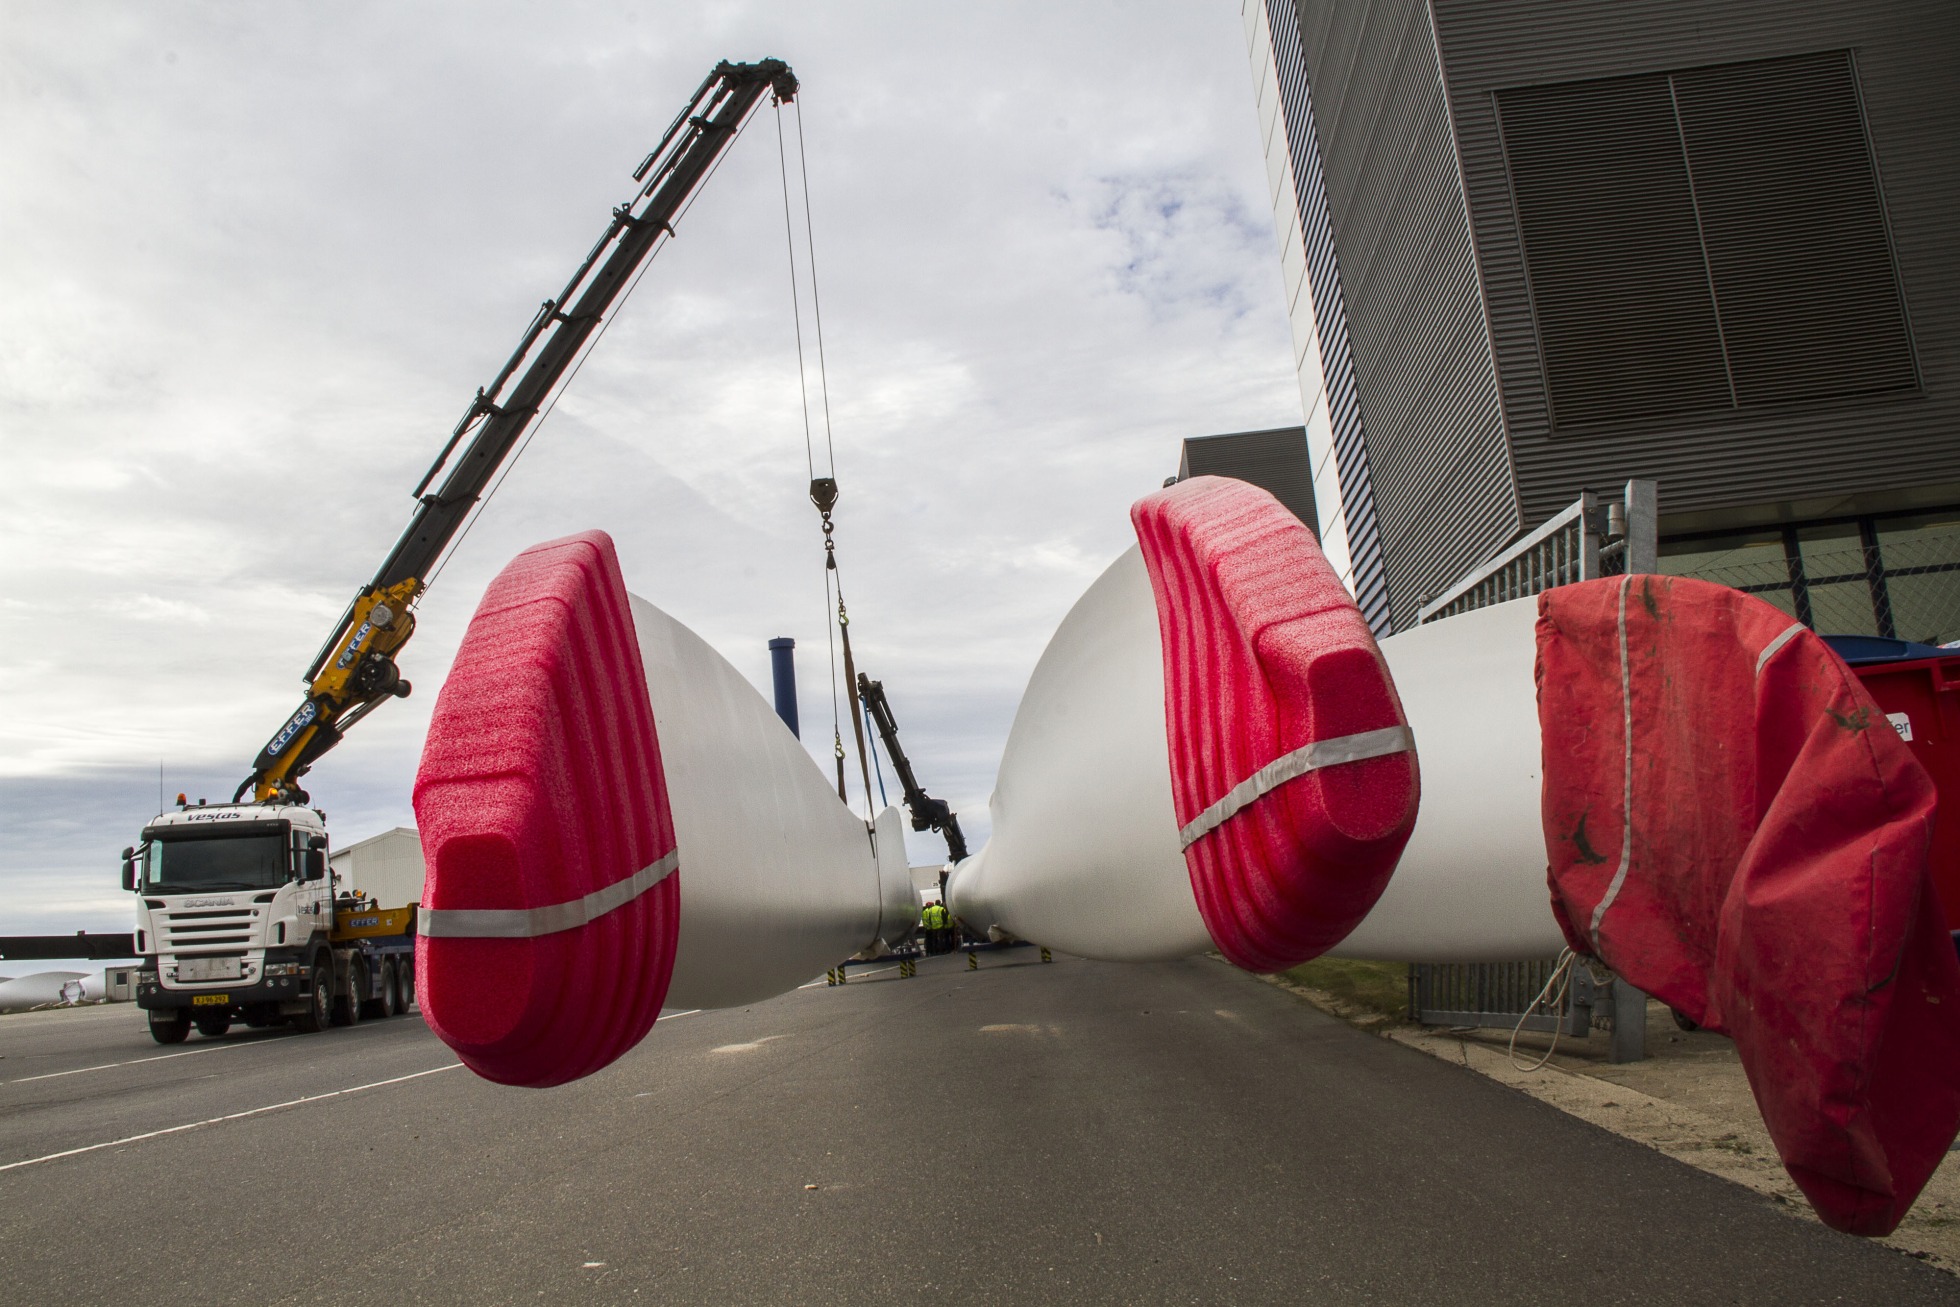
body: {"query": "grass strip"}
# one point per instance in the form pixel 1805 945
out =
pixel 1377 987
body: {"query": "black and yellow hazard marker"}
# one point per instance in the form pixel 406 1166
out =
pixel 908 968
pixel 972 960
pixel 1046 956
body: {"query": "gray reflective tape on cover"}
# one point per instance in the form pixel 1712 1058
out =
pixel 1306 758
pixel 528 923
pixel 1775 646
pixel 1626 788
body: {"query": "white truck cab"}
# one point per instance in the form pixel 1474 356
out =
pixel 236 920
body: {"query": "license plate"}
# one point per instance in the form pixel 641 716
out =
pixel 207 969
pixel 210 1000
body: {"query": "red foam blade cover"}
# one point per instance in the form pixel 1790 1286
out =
pixel 1777 888
pixel 1265 652
pixel 541 783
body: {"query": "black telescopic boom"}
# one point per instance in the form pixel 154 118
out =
pixel 355 671
pixel 677 169
pixel 495 422
pixel 928 813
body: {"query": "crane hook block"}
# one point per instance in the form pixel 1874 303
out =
pixel 823 493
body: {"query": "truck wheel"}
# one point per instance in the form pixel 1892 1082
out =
pixel 382 1005
pixel 213 1027
pixel 390 1001
pixel 405 977
pixel 347 1007
pixel 319 1006
pixel 170 1025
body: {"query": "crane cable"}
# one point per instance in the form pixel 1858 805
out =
pixel 823 490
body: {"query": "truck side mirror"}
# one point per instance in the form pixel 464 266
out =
pixel 129 870
pixel 316 864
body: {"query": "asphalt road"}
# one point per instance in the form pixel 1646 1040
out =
pixel 1076 1132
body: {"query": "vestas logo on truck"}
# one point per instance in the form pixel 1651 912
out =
pixel 299 722
pixel 224 814
pixel 353 649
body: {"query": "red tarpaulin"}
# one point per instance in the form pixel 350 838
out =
pixel 1734 827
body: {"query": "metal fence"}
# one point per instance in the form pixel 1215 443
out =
pixel 1491 994
pixel 1906 589
pixel 1486 994
pixel 1593 537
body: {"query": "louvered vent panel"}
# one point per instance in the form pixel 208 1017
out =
pixel 1794 229
pixel 1703 241
pixel 1625 319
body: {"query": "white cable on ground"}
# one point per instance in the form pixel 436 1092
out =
pixel 1561 977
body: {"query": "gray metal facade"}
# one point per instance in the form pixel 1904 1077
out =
pixel 1711 242
pixel 1423 370
pixel 1324 278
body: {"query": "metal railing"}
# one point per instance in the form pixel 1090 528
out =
pixel 1587 540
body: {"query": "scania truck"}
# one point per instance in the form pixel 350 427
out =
pixel 240 917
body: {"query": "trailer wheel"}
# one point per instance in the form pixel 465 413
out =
pixel 213 1027
pixel 382 1006
pixel 170 1025
pixel 319 1006
pixel 347 1007
pixel 391 989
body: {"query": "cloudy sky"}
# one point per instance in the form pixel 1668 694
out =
pixel 256 258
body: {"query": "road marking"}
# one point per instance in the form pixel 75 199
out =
pixel 261 1042
pixel 749 1047
pixel 220 1120
pixel 672 1015
pixel 137 1061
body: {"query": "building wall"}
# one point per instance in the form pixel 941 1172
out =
pixel 1762 461
pixel 387 867
pixel 1425 380
pixel 1406 212
pixel 1336 439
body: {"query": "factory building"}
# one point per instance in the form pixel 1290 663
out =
pixel 1535 247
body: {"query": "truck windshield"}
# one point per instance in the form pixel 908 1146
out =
pixel 238 862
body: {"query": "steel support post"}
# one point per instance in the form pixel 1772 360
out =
pixel 1643 526
pixel 1629 1023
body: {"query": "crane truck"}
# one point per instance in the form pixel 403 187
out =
pixel 240 915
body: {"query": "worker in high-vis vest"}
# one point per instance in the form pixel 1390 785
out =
pixel 934 921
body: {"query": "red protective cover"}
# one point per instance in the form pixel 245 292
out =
pixel 1264 652
pixel 1774 883
pixel 1925 692
pixel 541 783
